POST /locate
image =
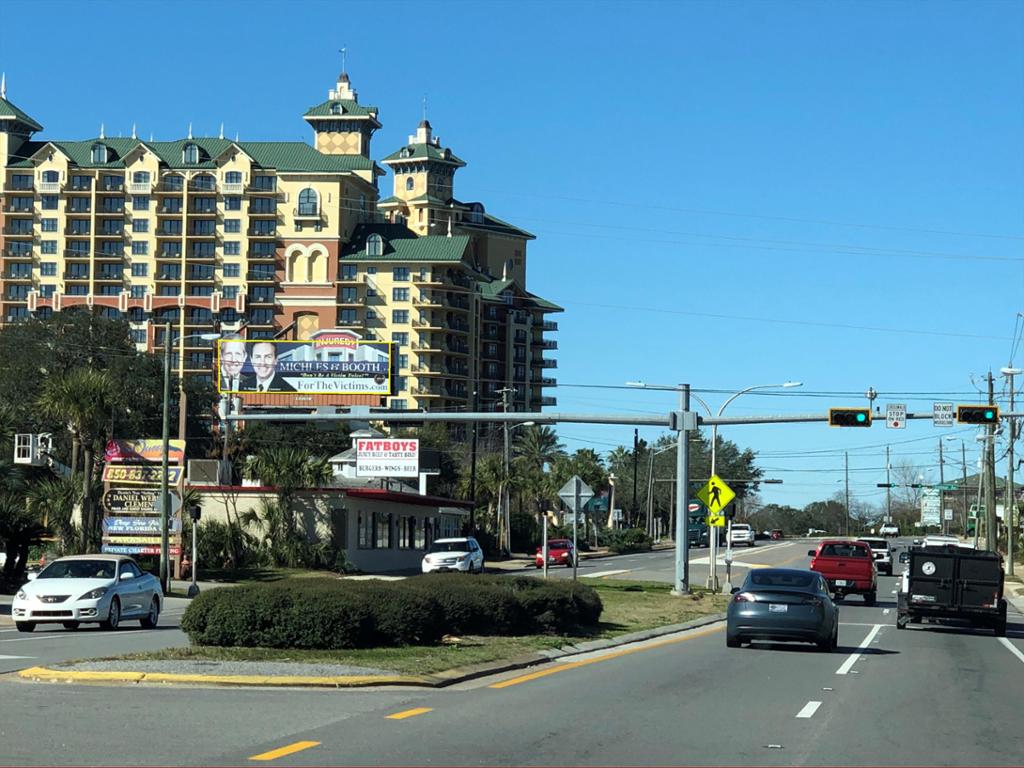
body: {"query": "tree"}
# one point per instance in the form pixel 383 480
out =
pixel 52 501
pixel 83 398
pixel 288 469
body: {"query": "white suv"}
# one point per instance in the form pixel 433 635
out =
pixel 463 555
pixel 881 553
pixel 741 533
pixel 889 529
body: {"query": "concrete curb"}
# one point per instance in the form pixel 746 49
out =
pixel 437 680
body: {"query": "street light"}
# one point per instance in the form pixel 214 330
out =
pixel 504 485
pixel 713 540
pixel 165 494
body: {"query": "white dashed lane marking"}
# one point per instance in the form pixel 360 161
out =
pixel 809 709
pixel 845 668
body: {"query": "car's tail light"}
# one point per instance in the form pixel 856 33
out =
pixel 744 597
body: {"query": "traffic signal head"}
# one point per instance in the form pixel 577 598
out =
pixel 849 417
pixel 977 414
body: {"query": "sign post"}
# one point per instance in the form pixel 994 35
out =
pixel 716 496
pixel 575 494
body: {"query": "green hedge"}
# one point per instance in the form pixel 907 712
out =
pixel 629 540
pixel 337 614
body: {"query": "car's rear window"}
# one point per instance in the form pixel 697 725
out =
pixel 450 546
pixel 876 543
pixel 558 544
pixel 740 527
pixel 844 550
pixel 762 578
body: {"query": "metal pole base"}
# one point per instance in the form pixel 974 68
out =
pixel 193 590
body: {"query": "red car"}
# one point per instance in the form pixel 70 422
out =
pixel 560 552
pixel 848 567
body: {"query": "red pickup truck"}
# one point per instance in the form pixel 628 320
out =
pixel 848 567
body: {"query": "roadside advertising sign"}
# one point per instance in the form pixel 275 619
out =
pixel 387 457
pixel 152 540
pixel 137 501
pixel 137 549
pixel 930 506
pixel 331 362
pixel 128 526
pixel 140 475
pixel 137 451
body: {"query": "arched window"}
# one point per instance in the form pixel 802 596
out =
pixel 51 176
pixel 99 153
pixel 190 154
pixel 409 183
pixel 375 245
pixel 337 109
pixel 476 213
pixel 308 202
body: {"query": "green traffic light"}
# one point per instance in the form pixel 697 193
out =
pixel 989 415
pixel 861 417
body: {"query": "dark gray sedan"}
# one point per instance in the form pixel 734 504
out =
pixel 783 604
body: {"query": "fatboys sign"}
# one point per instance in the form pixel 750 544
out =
pixel 387 457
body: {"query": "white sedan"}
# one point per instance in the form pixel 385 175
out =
pixel 82 589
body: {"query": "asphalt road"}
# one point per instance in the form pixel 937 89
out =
pixel 50 643
pixel 927 696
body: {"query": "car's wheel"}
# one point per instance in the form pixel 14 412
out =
pixel 149 622
pixel 999 627
pixel 25 626
pixel 114 617
pixel 70 624
pixel 825 645
pixel 483 567
pixel 870 597
pixel 732 641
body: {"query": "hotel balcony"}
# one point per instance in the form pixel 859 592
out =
pixel 137 188
pixel 232 188
pixel 549 325
pixel 49 187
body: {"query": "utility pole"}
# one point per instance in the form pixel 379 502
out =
pixel 1010 497
pixel 682 571
pixel 636 453
pixel 963 456
pixel 991 522
pixel 503 522
pixel 472 471
pixel 888 488
pixel 847 454
pixel 942 479
pixel 165 495
pixel 977 513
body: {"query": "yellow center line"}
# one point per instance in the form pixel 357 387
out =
pixel 606 657
pixel 291 749
pixel 410 713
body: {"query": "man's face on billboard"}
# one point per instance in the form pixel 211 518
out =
pixel 232 357
pixel 264 360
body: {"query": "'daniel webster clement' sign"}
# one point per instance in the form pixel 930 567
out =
pixel 387 457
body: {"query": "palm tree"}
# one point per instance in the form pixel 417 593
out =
pixel 288 469
pixel 537 450
pixel 81 398
pixel 52 501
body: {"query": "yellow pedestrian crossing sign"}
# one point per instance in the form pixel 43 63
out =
pixel 716 495
pixel 716 521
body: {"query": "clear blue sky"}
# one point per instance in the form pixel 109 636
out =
pixel 725 194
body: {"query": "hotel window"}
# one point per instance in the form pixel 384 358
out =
pixel 140 203
pixel 200 272
pixel 262 250
pixel 232 248
pixel 17 291
pixel 204 250
pixel 233 203
pixel 204 204
pixel 400 274
pixel 174 183
pixel 47 291
pixel 190 154
pixel 232 270
pixel 401 338
pixel 23 204
pixel 140 225
pixel 308 202
pixel 400 316
pixel 140 248
pixel 81 183
pixel 140 270
pixel 48 246
pixel 49 203
pixel 403 361
pixel 264 183
pixel 262 317
pixel 99 153
pixel 262 228
pixel 229 292
pixel 399 294
pixel 171 205
pixel 171 251
pixel 409 183
pixel 350 295
pixel 233 177
pixel 170 227
pixel 371 314
pixel 138 291
pixel 112 248
pixel 262 271
pixel 204 228
pixel 48 269
pixel 138 335
pixel 110 290
pixel 78 205
pixel 113 205
pixel 110 227
pixel 140 177
pixel 348 317
pixel 169 272
pixel 79 248
pixel 200 290
pixel 261 294
pixel 137 315
pixel 47 225
pixel 349 271
pixel 168 290
pixel 51 177
pixel 113 182
pixel 19 270
pixel 77 271
pixel 233 225
pixel 78 290
pixel 228 315
pixel 21 181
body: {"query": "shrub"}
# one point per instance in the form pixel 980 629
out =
pixel 629 540
pixel 336 614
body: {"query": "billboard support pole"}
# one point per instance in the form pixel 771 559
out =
pixel 165 501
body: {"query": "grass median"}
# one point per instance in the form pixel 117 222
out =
pixel 629 606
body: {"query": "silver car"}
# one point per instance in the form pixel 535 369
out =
pixel 783 604
pixel 102 589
